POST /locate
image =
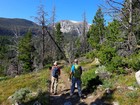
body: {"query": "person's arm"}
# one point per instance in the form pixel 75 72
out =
pixel 72 70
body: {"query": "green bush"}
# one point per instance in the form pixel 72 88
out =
pixel 4 78
pixel 105 54
pixel 132 95
pixel 67 69
pixel 107 84
pixel 116 65
pixel 133 61
pixel 91 54
pixel 20 95
pixel 87 76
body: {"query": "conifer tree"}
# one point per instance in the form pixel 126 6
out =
pixel 96 33
pixel 113 33
pixel 59 39
pixel 25 52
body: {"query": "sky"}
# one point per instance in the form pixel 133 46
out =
pixel 65 9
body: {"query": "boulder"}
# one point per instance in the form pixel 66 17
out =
pixel 137 76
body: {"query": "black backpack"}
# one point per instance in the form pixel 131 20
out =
pixel 55 72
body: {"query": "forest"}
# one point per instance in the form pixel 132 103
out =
pixel 115 44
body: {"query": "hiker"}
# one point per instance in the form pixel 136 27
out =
pixel 55 72
pixel 75 74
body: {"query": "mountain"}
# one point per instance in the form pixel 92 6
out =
pixel 9 26
pixel 73 27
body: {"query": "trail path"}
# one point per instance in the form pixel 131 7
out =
pixel 63 96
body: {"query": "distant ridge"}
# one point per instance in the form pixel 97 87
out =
pixel 7 26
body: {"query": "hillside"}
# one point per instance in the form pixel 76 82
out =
pixel 36 83
pixel 116 90
pixel 8 26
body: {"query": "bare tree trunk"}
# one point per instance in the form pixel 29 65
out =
pixel 53 50
pixel 131 37
pixel 84 37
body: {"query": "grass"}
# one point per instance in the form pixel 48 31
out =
pixel 122 94
pixel 33 81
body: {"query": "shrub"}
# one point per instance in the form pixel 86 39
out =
pixel 107 84
pixel 116 65
pixel 102 72
pixel 105 54
pixel 91 54
pixel 134 61
pixel 4 78
pixel 20 95
pixel 132 95
pixel 87 76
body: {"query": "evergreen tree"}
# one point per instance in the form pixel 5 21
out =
pixel 59 40
pixel 113 33
pixel 4 53
pixel 25 52
pixel 96 32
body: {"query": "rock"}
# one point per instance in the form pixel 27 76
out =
pixel 93 104
pixel 107 90
pixel 102 72
pixel 115 103
pixel 37 103
pixel 131 88
pixel 68 103
pixel 90 97
pixel 96 61
pixel 137 76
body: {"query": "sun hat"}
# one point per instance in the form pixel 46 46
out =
pixel 55 63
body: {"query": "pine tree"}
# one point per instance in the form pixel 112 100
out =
pixel 25 52
pixel 113 33
pixel 59 39
pixel 4 53
pixel 96 33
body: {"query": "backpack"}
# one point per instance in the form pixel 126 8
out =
pixel 77 71
pixel 55 72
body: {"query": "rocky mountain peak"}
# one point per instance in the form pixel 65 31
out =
pixel 72 27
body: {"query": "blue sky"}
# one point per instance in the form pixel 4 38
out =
pixel 65 9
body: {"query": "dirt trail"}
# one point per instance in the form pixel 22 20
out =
pixel 63 96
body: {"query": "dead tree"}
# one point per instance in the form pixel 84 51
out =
pixel 42 21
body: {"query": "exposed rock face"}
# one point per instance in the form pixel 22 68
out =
pixel 137 75
pixel 73 27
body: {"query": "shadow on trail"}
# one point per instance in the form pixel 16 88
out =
pixel 106 99
pixel 92 85
pixel 66 99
